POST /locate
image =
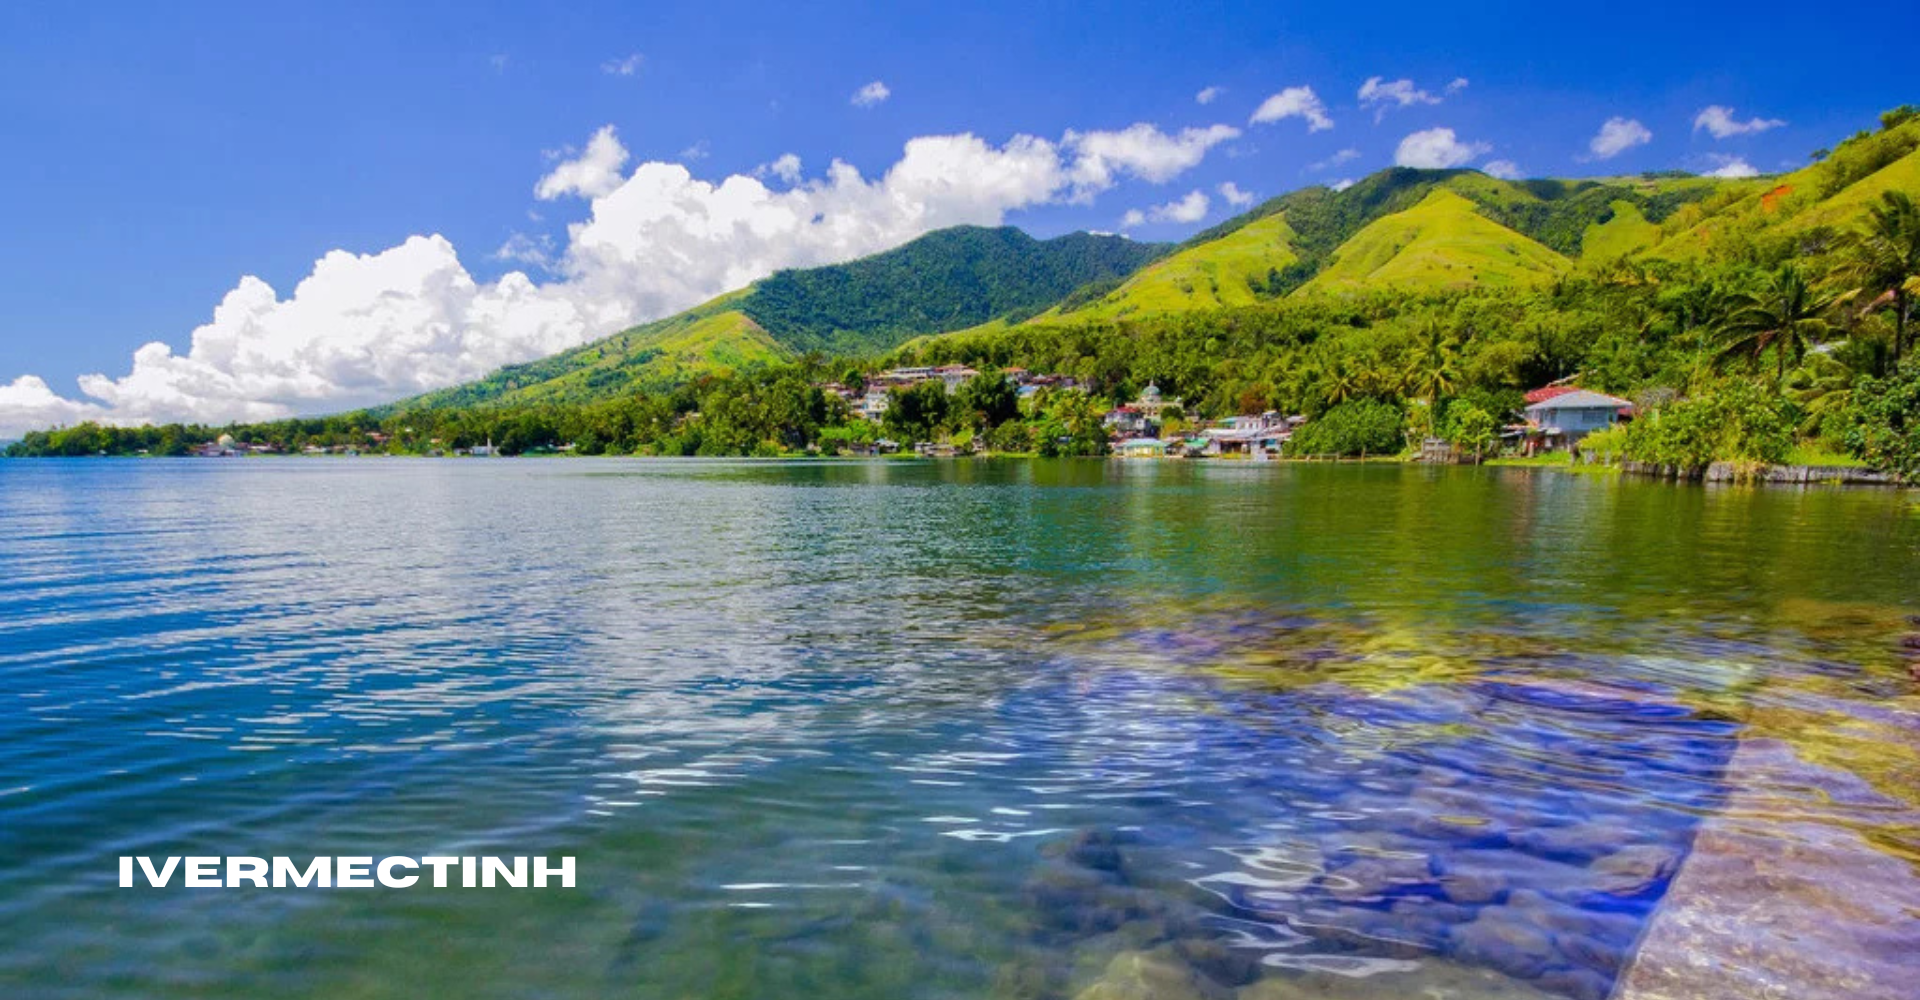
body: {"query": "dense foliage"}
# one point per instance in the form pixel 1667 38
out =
pixel 946 280
pixel 1886 422
pixel 1358 427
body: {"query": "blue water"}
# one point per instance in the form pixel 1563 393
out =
pixel 907 730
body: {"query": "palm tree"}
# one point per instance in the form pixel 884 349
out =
pixel 1785 316
pixel 1885 259
pixel 1433 372
pixel 1340 381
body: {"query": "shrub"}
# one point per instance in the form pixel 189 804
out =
pixel 1356 427
pixel 1736 422
pixel 1885 422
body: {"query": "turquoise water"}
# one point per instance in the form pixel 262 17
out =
pixel 914 729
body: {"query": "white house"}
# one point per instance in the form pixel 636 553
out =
pixel 1571 416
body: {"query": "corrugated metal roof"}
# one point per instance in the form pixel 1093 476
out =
pixel 1580 399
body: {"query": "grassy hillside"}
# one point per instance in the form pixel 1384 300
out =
pixel 1483 232
pixel 1443 242
pixel 1237 269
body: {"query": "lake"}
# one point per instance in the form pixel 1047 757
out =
pixel 954 729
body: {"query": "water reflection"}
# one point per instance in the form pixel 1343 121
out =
pixel 924 730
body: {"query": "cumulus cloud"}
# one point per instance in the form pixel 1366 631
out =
pixel 1381 96
pixel 1458 84
pixel 1342 184
pixel 29 402
pixel 1719 121
pixel 1616 136
pixel 1506 170
pixel 786 167
pixel 1730 167
pixel 367 328
pixel 625 66
pixel 1343 156
pixel 1235 197
pixel 1294 102
pixel 536 250
pixel 1191 208
pixel 870 95
pixel 1436 149
pixel 1208 94
pixel 1140 150
pixel 593 173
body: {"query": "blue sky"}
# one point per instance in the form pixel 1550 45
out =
pixel 156 157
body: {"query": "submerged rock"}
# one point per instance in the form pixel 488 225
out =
pixel 1635 871
pixel 1578 842
pixel 1505 939
pixel 1375 876
pixel 1430 979
pixel 1151 975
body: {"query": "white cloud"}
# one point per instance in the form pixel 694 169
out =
pixel 1343 156
pixel 1208 94
pixel 1342 184
pixel 1436 149
pixel 1506 170
pixel 1718 119
pixel 1617 136
pixel 367 328
pixel 592 173
pixel 28 402
pixel 786 167
pixel 1235 197
pixel 1381 96
pixel 1191 208
pixel 870 95
pixel 535 251
pixel 1294 102
pixel 1730 166
pixel 698 151
pixel 625 66
pixel 1140 150
pixel 1458 84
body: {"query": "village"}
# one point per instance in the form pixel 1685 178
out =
pixel 1153 425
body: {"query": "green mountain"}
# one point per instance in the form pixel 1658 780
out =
pixel 945 280
pixel 1400 230
pixel 1421 230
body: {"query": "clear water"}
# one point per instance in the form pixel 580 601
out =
pixel 915 730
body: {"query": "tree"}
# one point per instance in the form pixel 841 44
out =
pixel 987 400
pixel 1883 260
pixel 1786 316
pixel 914 413
pixel 1433 371
pixel 1470 428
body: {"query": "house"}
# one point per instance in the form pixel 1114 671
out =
pixel 1127 421
pixel 874 404
pixel 953 376
pixel 1142 448
pixel 1562 418
pixel 1252 434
